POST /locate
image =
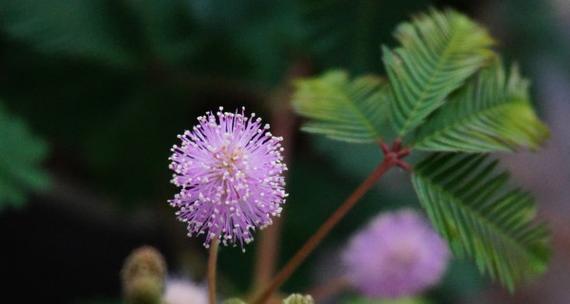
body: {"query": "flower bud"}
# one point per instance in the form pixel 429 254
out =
pixel 299 299
pixel 143 276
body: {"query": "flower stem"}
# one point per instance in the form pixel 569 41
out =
pixel 212 259
pixel 327 226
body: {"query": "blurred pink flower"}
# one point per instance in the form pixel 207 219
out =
pixel 397 254
pixel 180 291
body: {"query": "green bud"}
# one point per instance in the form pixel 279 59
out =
pixel 143 276
pixel 143 290
pixel 299 299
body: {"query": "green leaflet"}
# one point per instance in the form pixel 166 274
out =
pixel 353 111
pixel 20 154
pixel 439 51
pixel 492 113
pixel 468 204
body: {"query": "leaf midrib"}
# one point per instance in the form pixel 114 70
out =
pixel 350 101
pixel 468 118
pixel 458 202
pixel 418 103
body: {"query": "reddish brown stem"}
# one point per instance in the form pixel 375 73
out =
pixel 397 145
pixel 324 230
pixel 403 153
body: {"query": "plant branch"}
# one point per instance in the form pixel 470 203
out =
pixel 212 259
pixel 391 159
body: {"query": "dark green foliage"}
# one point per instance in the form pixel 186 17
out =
pixel 82 29
pixel 20 157
pixel 346 34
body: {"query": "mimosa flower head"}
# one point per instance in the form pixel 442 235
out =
pixel 229 168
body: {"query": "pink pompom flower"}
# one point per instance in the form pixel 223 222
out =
pixel 230 172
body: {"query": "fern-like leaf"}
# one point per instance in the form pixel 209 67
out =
pixel 439 51
pixel 492 113
pixel 466 200
pixel 353 111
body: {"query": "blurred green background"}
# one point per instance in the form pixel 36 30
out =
pixel 94 92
